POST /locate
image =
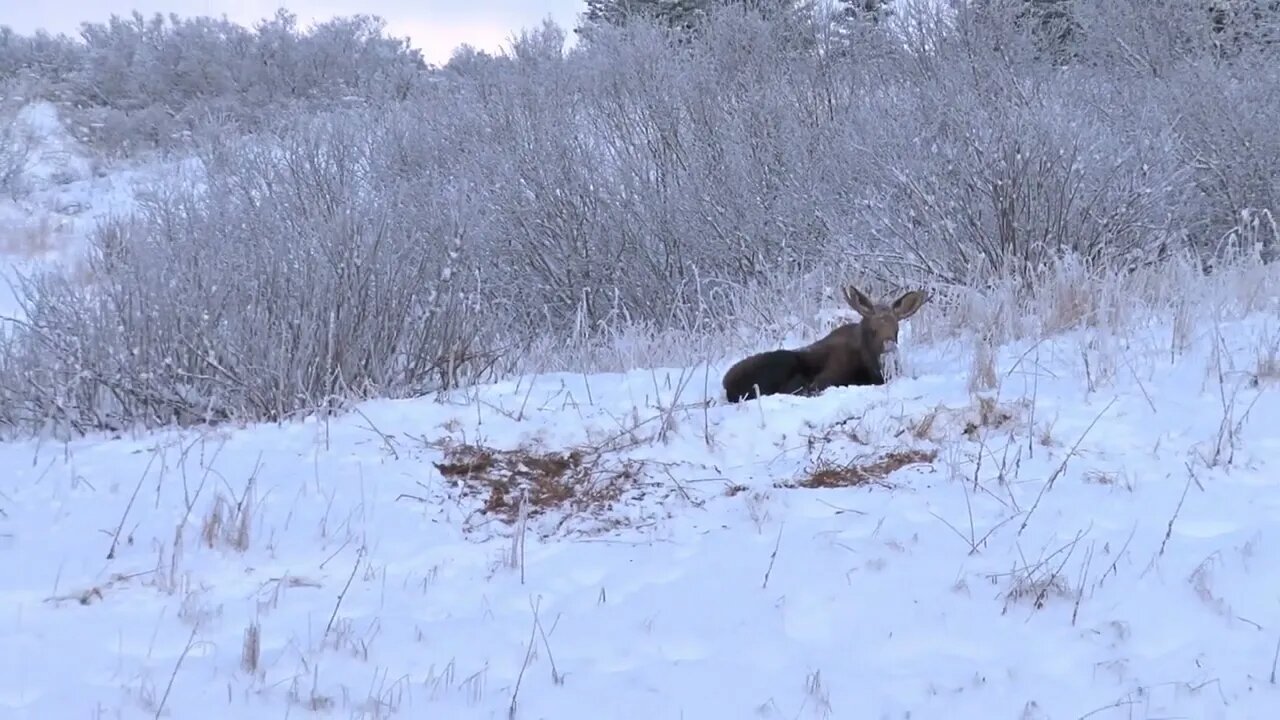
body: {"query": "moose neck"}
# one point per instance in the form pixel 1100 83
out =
pixel 870 343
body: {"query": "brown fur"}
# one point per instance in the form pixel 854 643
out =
pixel 848 355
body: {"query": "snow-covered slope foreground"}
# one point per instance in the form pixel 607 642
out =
pixel 1040 551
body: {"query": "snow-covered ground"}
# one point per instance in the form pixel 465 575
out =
pixel 1037 551
pixel 1096 537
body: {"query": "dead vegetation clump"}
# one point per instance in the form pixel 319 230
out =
pixel 1108 478
pixel 94 593
pixel 986 412
pixel 922 429
pixel 1268 363
pixel 1036 587
pixel 991 414
pixel 228 523
pixel 580 481
pixel 982 371
pixel 861 471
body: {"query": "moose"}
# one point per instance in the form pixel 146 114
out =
pixel 851 354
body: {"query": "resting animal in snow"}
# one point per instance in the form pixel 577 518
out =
pixel 851 354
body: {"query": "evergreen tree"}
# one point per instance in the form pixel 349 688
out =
pixel 1232 25
pixel 1237 24
pixel 617 12
pixel 1049 24
pixel 1055 31
pixel 681 14
pixel 848 22
pixel 863 11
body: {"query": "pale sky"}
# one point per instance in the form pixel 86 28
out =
pixel 434 26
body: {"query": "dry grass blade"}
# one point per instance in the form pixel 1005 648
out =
pixel 1275 660
pixel 1062 467
pixel 191 641
pixel 251 650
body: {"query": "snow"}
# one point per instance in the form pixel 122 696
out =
pixel 64 198
pixel 1119 569
pixel 1089 539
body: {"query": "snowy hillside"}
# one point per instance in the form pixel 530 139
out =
pixel 57 196
pixel 630 546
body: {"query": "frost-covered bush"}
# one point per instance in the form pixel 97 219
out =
pixel 138 83
pixel 16 141
pixel 298 273
pixel 989 169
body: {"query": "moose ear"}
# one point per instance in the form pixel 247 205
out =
pixel 860 303
pixel 907 305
